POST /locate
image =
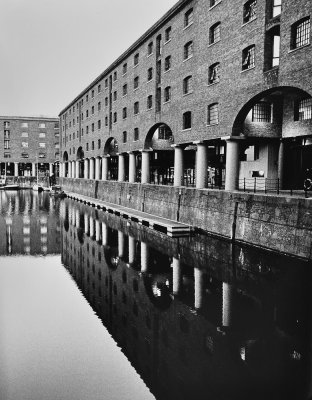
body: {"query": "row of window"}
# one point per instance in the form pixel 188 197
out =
pixel 26 155
pixel 41 125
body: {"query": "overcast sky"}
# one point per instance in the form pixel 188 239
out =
pixel 52 49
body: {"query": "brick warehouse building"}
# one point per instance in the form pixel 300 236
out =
pixel 30 146
pixel 206 96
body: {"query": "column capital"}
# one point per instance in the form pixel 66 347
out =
pixel 233 138
pixel 198 142
pixel 178 145
pixel 146 150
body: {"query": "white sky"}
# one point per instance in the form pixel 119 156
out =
pixel 52 49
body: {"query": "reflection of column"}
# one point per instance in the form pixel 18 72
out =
pixel 232 165
pixel 74 169
pixel 86 224
pixel 145 171
pixel 198 287
pixel 91 229
pixel 60 170
pixel 50 169
pixel 86 168
pixel 16 169
pixel 97 168
pixel 121 244
pixel 77 169
pixel 104 234
pixel 132 167
pixel 227 298
pixel 201 165
pixel 104 168
pixel 176 276
pixel 77 219
pixel 70 169
pixel 97 230
pixel 144 257
pixel 121 168
pixel 33 169
pixel 178 166
pixel 281 164
pixel 91 168
pixel 131 250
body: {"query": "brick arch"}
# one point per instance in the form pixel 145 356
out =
pixel 65 156
pixel 111 147
pixel 80 153
pixel 278 90
pixel 148 142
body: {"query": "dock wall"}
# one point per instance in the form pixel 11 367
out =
pixel 278 223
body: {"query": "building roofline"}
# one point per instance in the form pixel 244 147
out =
pixel 169 14
pixel 42 118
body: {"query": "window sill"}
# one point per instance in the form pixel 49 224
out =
pixel 125 95
pixel 149 80
pixel 186 129
pixel 135 89
pixel 188 93
pixel 215 5
pixel 168 41
pixel 190 24
pixel 248 22
pixel 124 74
pixel 211 44
pixel 168 101
pixel 149 109
pixel 149 55
pixel 168 70
pixel 215 124
pixel 135 115
pixel 135 66
pixel 248 69
pixel 188 58
pixel 298 48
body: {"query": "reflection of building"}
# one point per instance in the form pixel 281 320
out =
pixel 30 146
pixel 30 224
pixel 190 331
pixel 205 95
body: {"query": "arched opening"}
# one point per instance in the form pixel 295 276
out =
pixel 277 126
pixel 160 138
pixel 111 150
pixel 65 161
pixel 80 161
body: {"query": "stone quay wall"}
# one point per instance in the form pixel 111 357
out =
pixel 278 223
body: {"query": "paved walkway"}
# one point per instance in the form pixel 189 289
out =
pixel 170 227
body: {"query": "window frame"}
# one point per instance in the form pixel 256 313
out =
pixel 187 120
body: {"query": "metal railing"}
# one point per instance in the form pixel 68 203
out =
pixel 266 185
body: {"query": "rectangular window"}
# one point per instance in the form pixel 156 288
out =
pixel 42 144
pixel 24 124
pixel 167 63
pixel 25 144
pixel 99 106
pixel 7 155
pixel 124 113
pixel 136 134
pixel 149 102
pixel 215 33
pixel 92 94
pixel 167 94
pixel 106 101
pixel 25 155
pixel 7 134
pixel 214 2
pixel 115 76
pixel 106 83
pixel 136 59
pixel 213 114
pixel 188 18
pixel 125 89
pixel 250 11
pixel 42 155
pixel 188 50
pixel 6 124
pixel 42 134
pixel 99 88
pixel 277 8
pixel 261 112
pixel 6 144
pixel 300 33
pixel 106 121
pixel 92 127
pixel 187 85
pixel 115 95
pixel 124 68
pixel 150 74
pixel 187 120
pixel 136 82
pixel 92 110
pixel 303 109
pixel 99 143
pixel 214 73
pixel 150 49
pixel 24 134
pixel 99 124
pixel 248 58
pixel 124 137
pixel 136 108
pixel 168 34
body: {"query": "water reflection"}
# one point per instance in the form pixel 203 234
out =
pixel 197 317
pixel 30 223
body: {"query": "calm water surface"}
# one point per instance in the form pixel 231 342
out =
pixel 93 306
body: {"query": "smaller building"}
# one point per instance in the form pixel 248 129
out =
pixel 29 146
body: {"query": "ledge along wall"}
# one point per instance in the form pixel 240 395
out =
pixel 278 223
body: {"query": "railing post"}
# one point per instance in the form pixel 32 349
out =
pixel 265 185
pixel 278 182
pixel 244 184
pixel 255 185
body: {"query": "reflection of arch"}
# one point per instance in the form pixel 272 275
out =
pixel 157 289
pixel 280 91
pixel 65 156
pixel 111 147
pixel 111 257
pixel 165 134
pixel 80 154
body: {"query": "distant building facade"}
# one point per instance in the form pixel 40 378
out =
pixel 216 92
pixel 30 146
